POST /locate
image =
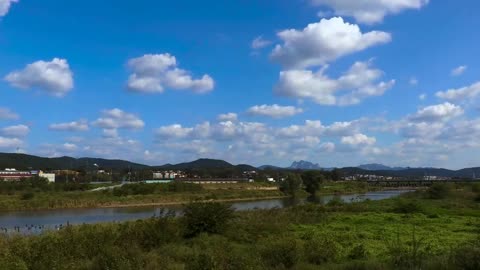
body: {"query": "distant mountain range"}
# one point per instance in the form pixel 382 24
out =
pixel 24 162
pixel 379 167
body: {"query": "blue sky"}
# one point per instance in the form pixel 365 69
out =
pixel 258 82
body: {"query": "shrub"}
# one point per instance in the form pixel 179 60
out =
pixel 291 185
pixel 27 196
pixel 201 261
pixel 336 201
pixel 439 191
pixel 476 188
pixel 406 206
pixel 410 254
pixel 467 256
pixel 358 252
pixel 321 249
pixel 364 265
pixel 206 217
pixel 282 252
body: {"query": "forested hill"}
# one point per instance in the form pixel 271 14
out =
pixel 205 163
pixel 24 161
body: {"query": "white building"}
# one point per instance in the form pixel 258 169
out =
pixel 49 176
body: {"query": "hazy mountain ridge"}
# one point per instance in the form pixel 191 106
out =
pixel 24 162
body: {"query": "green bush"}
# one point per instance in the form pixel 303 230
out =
pixel 27 196
pixel 467 256
pixel 206 217
pixel 439 191
pixel 321 249
pixel 280 252
pixel 291 185
pixel 358 252
pixel 404 206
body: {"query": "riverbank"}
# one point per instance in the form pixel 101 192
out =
pixel 160 194
pixel 437 228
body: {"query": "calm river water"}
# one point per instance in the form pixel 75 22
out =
pixel 36 221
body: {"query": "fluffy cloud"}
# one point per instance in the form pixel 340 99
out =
pixel 7 114
pixel 358 139
pixel 275 110
pixel 259 42
pixel 16 131
pixel 358 83
pixel 55 77
pixel 413 81
pixel 80 125
pixel 10 143
pixel 369 11
pixel 118 119
pixel 173 131
pixel 458 70
pixel 323 42
pixel 152 73
pixel 227 117
pixel 439 112
pixel 460 94
pixel 5 6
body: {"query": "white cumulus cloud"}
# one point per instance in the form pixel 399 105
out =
pixel 259 42
pixel 358 83
pixel 227 117
pixel 358 139
pixel 323 42
pixel 275 110
pixel 7 114
pixel 458 70
pixel 16 131
pixel 54 77
pixel 118 119
pixel 5 6
pixel 80 125
pixel 10 143
pixel 439 112
pixel 460 94
pixel 369 11
pixel 153 73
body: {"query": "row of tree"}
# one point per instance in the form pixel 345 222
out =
pixel 310 181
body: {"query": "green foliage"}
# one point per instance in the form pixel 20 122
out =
pixel 280 252
pixel 467 256
pixel 321 249
pixel 476 187
pixel 405 206
pixel 28 196
pixel 359 251
pixel 146 189
pixel 439 191
pixel 409 254
pixel 291 185
pixel 312 181
pixel 309 236
pixel 206 217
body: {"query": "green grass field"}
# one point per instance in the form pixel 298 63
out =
pixel 429 229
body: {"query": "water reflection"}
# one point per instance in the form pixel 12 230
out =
pixel 36 221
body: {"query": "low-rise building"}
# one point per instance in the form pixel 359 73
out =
pixel 11 174
pixel 49 176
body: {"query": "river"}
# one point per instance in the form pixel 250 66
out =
pixel 29 222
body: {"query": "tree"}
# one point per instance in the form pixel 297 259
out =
pixel 206 217
pixel 291 184
pixel 336 174
pixel 312 181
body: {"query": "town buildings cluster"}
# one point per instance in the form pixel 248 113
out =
pixel 12 174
